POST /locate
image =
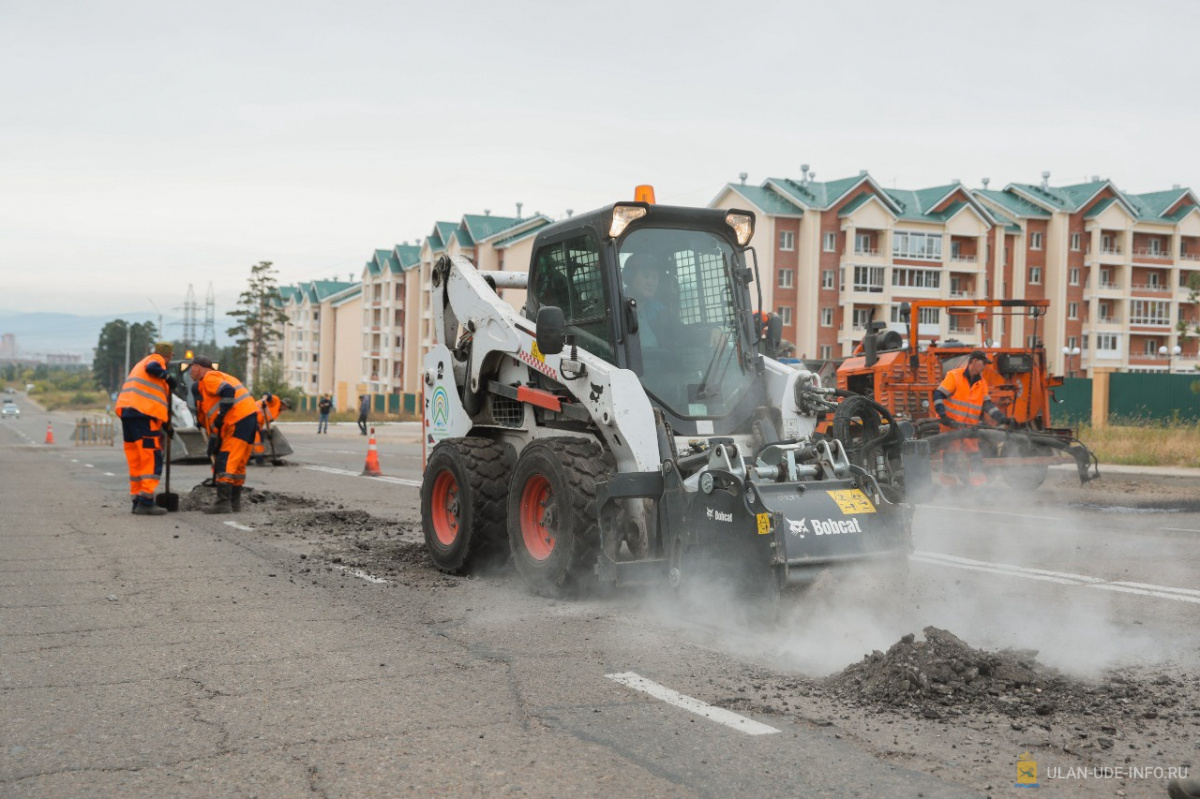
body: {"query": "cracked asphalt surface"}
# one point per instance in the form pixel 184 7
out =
pixel 320 653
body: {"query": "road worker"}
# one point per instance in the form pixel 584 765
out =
pixel 269 408
pixel 144 408
pixel 229 414
pixel 961 401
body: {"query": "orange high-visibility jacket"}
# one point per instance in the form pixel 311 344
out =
pixel 965 403
pixel 219 392
pixel 271 406
pixel 145 392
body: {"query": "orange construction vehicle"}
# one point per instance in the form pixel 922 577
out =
pixel 901 375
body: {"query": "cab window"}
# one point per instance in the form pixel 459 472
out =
pixel 567 274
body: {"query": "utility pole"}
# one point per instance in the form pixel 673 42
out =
pixel 161 334
pixel 128 328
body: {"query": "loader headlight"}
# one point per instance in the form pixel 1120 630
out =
pixel 743 226
pixel 622 216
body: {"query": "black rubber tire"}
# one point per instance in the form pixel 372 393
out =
pixel 465 526
pixel 568 469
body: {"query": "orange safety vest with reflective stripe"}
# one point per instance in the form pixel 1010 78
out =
pixel 219 390
pixel 964 402
pixel 145 393
pixel 270 405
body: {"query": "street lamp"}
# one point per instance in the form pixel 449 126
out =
pixel 1163 352
pixel 1069 352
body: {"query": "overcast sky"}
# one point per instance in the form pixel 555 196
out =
pixel 148 145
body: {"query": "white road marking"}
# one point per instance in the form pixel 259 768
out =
pixel 1062 578
pixel 109 474
pixel 90 466
pixel 993 512
pixel 719 715
pixel 348 473
pixel 370 578
pixel 240 526
pixel 1182 529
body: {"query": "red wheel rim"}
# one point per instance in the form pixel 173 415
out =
pixel 444 508
pixel 535 517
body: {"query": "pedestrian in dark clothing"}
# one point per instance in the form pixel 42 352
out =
pixel 364 405
pixel 324 406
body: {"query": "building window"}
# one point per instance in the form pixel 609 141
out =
pixel 1035 275
pixel 916 278
pixel 826 352
pixel 1155 247
pixel 1076 241
pixel 868 278
pixel 1035 241
pixel 1106 244
pixel 1150 312
pixel 830 242
pixel 921 246
pixel 1108 341
pixel 1152 280
pixel 1072 342
pixel 929 316
pixel 862 316
pixel 1072 310
pixel 785 315
pixel 827 279
pixel 1150 346
pixel 1084 341
pixel 826 317
pixel 787 240
pixel 787 278
pixel 1075 276
pixel 862 244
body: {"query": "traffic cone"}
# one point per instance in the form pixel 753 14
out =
pixel 49 434
pixel 372 467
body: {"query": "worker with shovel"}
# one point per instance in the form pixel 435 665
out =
pixel 269 408
pixel 230 415
pixel 961 401
pixel 144 406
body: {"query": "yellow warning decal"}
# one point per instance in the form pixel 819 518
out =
pixel 764 523
pixel 852 501
pixel 537 353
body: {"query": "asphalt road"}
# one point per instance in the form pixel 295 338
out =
pixel 183 656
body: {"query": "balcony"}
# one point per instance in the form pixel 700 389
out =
pixel 1150 254
pixel 964 259
pixel 1157 288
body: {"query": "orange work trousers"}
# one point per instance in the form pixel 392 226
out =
pixel 237 440
pixel 143 451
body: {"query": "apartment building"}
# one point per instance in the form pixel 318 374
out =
pixel 835 256
pixel 322 336
pixel 386 281
pixel 1115 266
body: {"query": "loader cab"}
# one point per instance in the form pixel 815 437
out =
pixel 662 291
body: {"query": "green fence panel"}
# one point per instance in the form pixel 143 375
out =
pixel 1153 397
pixel 1072 403
pixel 410 404
pixel 393 403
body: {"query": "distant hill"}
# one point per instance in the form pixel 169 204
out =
pixel 44 332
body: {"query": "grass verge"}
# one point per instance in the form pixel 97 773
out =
pixel 1172 444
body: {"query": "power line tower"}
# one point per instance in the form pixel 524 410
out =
pixel 210 317
pixel 189 318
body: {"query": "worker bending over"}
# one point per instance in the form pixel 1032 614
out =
pixel 961 401
pixel 269 408
pixel 230 415
pixel 144 406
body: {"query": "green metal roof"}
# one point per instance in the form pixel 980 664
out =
pixel 323 289
pixel 373 267
pixel 1099 207
pixel 770 201
pixel 1014 204
pixel 855 204
pixel 1156 203
pixel 484 226
pixel 408 256
pixel 814 194
pixel 522 234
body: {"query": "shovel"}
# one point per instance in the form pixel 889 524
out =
pixel 167 499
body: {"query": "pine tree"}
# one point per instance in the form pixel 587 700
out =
pixel 259 319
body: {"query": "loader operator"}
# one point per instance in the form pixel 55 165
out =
pixel 230 415
pixel 961 401
pixel 144 406
pixel 642 275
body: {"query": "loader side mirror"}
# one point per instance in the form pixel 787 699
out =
pixel 551 329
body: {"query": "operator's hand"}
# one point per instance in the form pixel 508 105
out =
pixel 172 382
pixel 945 419
pixel 219 422
pixel 212 446
pixel 168 428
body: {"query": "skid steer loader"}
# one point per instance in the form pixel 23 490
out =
pixel 625 433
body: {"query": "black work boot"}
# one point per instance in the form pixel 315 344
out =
pixel 235 498
pixel 147 509
pixel 222 505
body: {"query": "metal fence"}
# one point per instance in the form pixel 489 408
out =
pixel 94 431
pixel 1128 398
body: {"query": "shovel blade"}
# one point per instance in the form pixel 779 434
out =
pixel 168 501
